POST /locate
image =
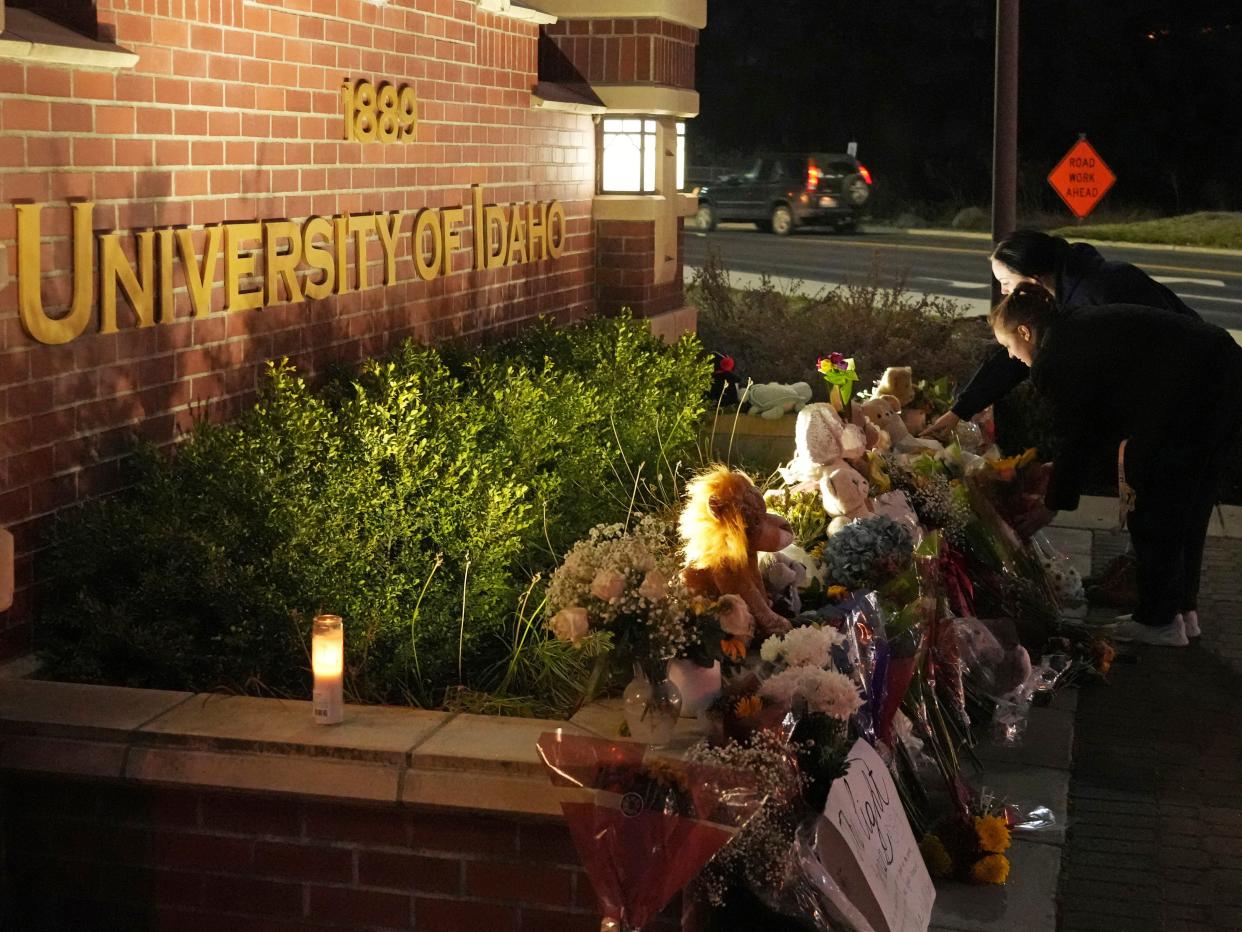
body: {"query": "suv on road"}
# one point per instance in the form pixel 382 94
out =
pixel 783 191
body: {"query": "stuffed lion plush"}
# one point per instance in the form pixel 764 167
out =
pixel 724 526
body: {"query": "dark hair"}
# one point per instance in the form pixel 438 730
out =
pixel 1030 253
pixel 1028 304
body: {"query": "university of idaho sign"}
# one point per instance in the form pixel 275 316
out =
pixel 267 262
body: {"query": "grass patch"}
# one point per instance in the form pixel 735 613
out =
pixel 1216 229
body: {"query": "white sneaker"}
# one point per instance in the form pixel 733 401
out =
pixel 1171 635
pixel 1192 624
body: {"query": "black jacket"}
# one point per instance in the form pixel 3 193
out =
pixel 1121 372
pixel 1082 277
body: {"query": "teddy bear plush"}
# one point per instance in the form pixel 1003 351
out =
pixel 823 441
pixel 897 381
pixel 844 492
pixel 724 525
pixel 783 576
pixel 772 399
pixel 885 410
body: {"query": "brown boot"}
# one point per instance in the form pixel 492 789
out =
pixel 1117 585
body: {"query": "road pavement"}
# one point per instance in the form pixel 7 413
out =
pixel 951 265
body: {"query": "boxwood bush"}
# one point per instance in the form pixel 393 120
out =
pixel 416 498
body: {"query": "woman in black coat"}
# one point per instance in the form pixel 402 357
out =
pixel 1073 273
pixel 1170 387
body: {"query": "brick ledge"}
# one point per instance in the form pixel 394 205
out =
pixel 410 757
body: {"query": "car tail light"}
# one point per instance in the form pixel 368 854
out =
pixel 866 175
pixel 813 174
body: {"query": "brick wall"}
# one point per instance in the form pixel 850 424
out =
pixel 233 114
pixel 628 51
pixel 626 255
pixel 91 855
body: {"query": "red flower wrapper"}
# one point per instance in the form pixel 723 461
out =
pixel 644 825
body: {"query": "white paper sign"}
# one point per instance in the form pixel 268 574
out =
pixel 866 844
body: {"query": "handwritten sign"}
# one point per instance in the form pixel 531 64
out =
pixel 865 844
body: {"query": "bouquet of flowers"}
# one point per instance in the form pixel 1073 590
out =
pixel 627 583
pixel 644 825
pixel 840 375
pixel 970 847
pixel 868 553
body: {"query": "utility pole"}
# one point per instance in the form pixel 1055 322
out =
pixel 1005 127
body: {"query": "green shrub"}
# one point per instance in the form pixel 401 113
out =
pixel 416 499
pixel 777 336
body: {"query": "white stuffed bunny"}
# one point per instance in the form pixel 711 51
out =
pixel 823 441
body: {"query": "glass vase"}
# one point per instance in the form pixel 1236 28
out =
pixel 652 704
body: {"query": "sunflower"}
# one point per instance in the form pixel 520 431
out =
pixel 936 856
pixel 991 869
pixel 993 833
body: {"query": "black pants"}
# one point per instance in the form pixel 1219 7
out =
pixel 1175 494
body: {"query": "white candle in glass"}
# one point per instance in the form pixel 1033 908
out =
pixel 328 665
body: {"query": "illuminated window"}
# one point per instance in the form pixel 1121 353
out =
pixel 681 156
pixel 628 155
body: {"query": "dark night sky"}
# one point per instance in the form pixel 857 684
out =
pixel 1156 86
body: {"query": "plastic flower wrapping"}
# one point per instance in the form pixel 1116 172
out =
pixel 644 825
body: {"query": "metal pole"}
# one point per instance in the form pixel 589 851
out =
pixel 1005 127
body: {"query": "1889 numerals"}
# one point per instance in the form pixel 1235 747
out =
pixel 383 114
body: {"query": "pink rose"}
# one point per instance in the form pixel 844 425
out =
pixel 607 585
pixel 570 624
pixel 654 587
pixel 735 618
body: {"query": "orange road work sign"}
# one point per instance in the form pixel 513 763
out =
pixel 1081 178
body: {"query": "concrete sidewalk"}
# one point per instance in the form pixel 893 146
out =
pixel 1155 839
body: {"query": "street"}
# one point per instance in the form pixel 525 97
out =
pixel 952 265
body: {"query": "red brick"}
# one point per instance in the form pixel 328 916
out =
pixel 71 118
pixel 524 882
pixel 114 120
pixel 366 825
pixel 455 833
pixel 399 871
pixel 303 862
pixel 431 915
pixel 21 113
pixel 251 815
pixel 94 84
pixel 90 151
pixel 359 907
pixel 258 897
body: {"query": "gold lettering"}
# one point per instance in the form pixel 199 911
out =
pixel 360 227
pixel 479 236
pixel 340 237
pixel 556 229
pixel 537 232
pixel 517 237
pixel 388 242
pixel 114 270
pixel 281 266
pixel 238 265
pixel 200 277
pixel 54 330
pixel 167 305
pixel 450 219
pixel 318 256
pixel 497 227
pixel 427 266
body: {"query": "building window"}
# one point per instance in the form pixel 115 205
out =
pixel 681 156
pixel 628 155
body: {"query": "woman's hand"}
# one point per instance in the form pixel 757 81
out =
pixel 941 426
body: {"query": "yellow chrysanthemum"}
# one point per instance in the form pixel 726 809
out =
pixel 837 593
pixel 992 869
pixel 748 706
pixel 936 856
pixel 993 833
